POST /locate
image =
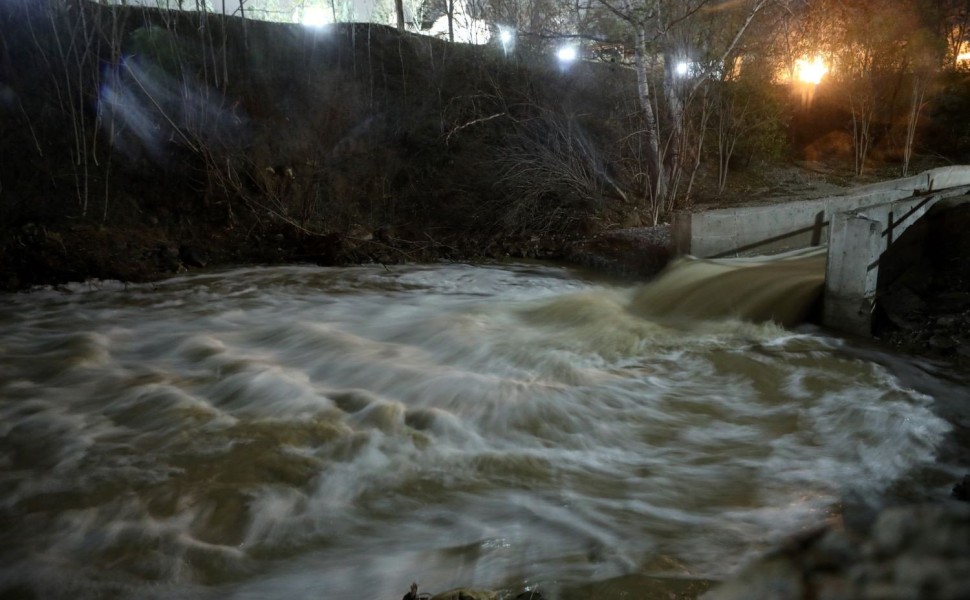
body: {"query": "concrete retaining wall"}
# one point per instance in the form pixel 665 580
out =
pixel 858 227
pixel 779 227
pixel 857 242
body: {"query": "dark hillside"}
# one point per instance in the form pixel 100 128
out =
pixel 136 140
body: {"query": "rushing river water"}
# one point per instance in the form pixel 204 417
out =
pixel 300 432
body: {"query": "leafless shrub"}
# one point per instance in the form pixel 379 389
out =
pixel 112 105
pixel 553 175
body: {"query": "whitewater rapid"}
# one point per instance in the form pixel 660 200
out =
pixel 301 432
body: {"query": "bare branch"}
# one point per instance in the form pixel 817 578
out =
pixel 472 122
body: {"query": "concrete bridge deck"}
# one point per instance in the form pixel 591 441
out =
pixel 857 226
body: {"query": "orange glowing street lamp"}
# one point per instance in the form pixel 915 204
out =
pixel 810 70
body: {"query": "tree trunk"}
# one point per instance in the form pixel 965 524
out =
pixel 862 117
pixel 674 95
pixel 654 167
pixel 915 108
pixel 399 8
pixel 245 28
pixel 450 7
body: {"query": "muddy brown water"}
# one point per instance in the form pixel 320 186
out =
pixel 297 432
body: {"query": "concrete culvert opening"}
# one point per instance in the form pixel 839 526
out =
pixel 923 291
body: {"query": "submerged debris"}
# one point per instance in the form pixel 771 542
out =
pixel 961 491
pixel 465 594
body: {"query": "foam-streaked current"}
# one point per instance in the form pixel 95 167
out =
pixel 301 432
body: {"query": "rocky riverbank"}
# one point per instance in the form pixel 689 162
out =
pixel 915 552
pixel 919 552
pixel 40 254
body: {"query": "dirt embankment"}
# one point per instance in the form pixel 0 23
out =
pixel 159 140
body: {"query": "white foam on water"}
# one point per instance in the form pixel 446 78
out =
pixel 294 431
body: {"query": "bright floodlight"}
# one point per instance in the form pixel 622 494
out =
pixel 507 37
pixel 811 71
pixel 682 68
pixel 315 16
pixel 567 54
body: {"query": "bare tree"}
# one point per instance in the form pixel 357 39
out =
pixel 399 9
pixel 450 11
pixel 677 45
pixel 555 175
pixel 955 24
pixel 875 48
pixel 672 63
pixel 917 103
pixel 923 57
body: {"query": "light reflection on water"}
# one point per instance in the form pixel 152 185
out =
pixel 304 433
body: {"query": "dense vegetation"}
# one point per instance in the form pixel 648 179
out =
pixel 137 140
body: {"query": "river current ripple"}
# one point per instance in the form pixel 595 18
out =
pixel 300 432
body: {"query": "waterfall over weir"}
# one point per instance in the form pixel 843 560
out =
pixel 783 288
pixel 312 433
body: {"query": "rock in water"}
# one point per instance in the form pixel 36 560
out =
pixel 961 491
pixel 466 594
pixel 912 552
pixel 412 593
